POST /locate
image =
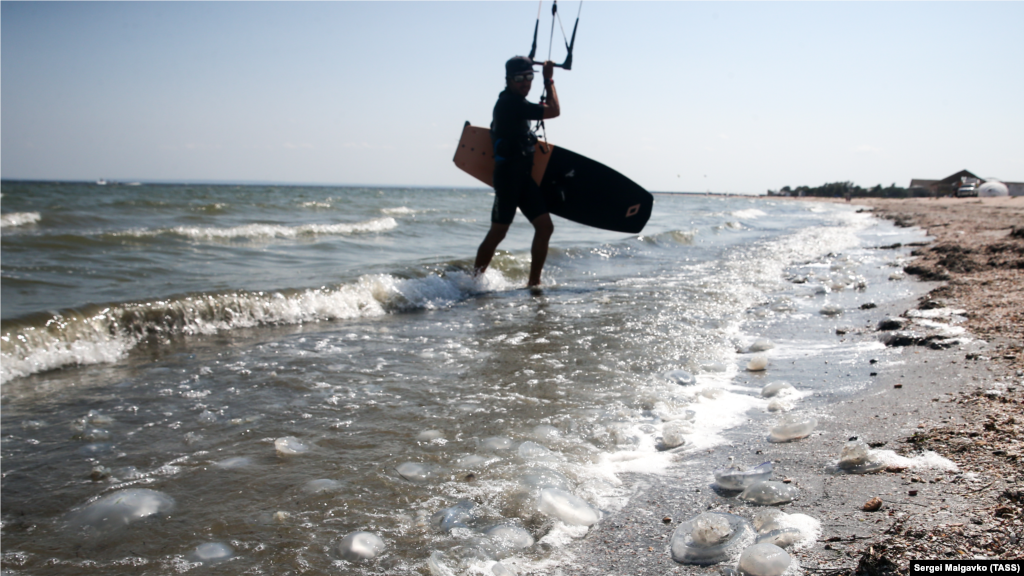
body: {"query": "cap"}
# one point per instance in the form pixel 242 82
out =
pixel 518 65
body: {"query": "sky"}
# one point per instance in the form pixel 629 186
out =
pixel 737 97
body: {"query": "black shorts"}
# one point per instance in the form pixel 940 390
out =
pixel 514 188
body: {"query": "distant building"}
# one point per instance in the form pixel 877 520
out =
pixel 948 185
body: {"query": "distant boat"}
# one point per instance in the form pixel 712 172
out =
pixel 101 182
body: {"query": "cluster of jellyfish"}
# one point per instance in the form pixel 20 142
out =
pixel 541 489
pixel 119 509
pixel 760 544
pixel 709 538
pixel 781 396
pixel 548 491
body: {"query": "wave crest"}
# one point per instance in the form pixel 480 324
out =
pixel 107 334
pixel 748 214
pixel 264 231
pixel 13 219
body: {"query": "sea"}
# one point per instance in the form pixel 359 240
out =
pixel 271 379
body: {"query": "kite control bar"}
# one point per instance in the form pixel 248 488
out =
pixel 567 64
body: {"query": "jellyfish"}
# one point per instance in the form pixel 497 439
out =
pixel 769 493
pixel 360 546
pixel 793 427
pixel 764 560
pixel 738 479
pixel 709 538
pixel 857 458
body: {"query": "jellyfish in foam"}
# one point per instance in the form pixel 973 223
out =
pixel 858 458
pixel 508 539
pixel 567 507
pixel 290 446
pixel 777 389
pixel 681 377
pixel 457 516
pixel 360 546
pixel 771 526
pixel 211 553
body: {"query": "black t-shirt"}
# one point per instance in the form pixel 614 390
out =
pixel 510 127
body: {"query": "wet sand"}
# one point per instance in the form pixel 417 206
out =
pixel 964 403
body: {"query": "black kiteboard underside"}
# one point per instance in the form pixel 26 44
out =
pixel 588 192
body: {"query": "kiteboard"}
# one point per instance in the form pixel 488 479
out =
pixel 574 186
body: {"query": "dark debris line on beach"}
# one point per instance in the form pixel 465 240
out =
pixel 983 273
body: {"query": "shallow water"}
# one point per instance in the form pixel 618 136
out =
pixel 291 366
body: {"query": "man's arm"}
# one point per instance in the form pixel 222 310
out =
pixel 551 107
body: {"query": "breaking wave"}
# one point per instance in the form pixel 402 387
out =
pixel 106 334
pixel 19 219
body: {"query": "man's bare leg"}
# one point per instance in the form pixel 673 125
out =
pixel 543 228
pixel 485 253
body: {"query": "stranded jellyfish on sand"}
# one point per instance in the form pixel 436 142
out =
pixel 793 427
pixel 758 363
pixel 858 458
pixel 763 560
pixel 769 493
pixel 734 478
pixel 710 538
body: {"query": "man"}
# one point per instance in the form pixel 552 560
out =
pixel 513 163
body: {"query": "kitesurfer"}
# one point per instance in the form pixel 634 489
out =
pixel 513 163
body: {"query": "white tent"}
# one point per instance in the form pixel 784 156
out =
pixel 993 188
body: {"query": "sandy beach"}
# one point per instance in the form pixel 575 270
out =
pixel 963 402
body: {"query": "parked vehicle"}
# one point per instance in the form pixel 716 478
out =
pixel 966 190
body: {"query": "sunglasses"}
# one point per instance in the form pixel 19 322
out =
pixel 522 77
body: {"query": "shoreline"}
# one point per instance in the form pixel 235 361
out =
pixel 963 403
